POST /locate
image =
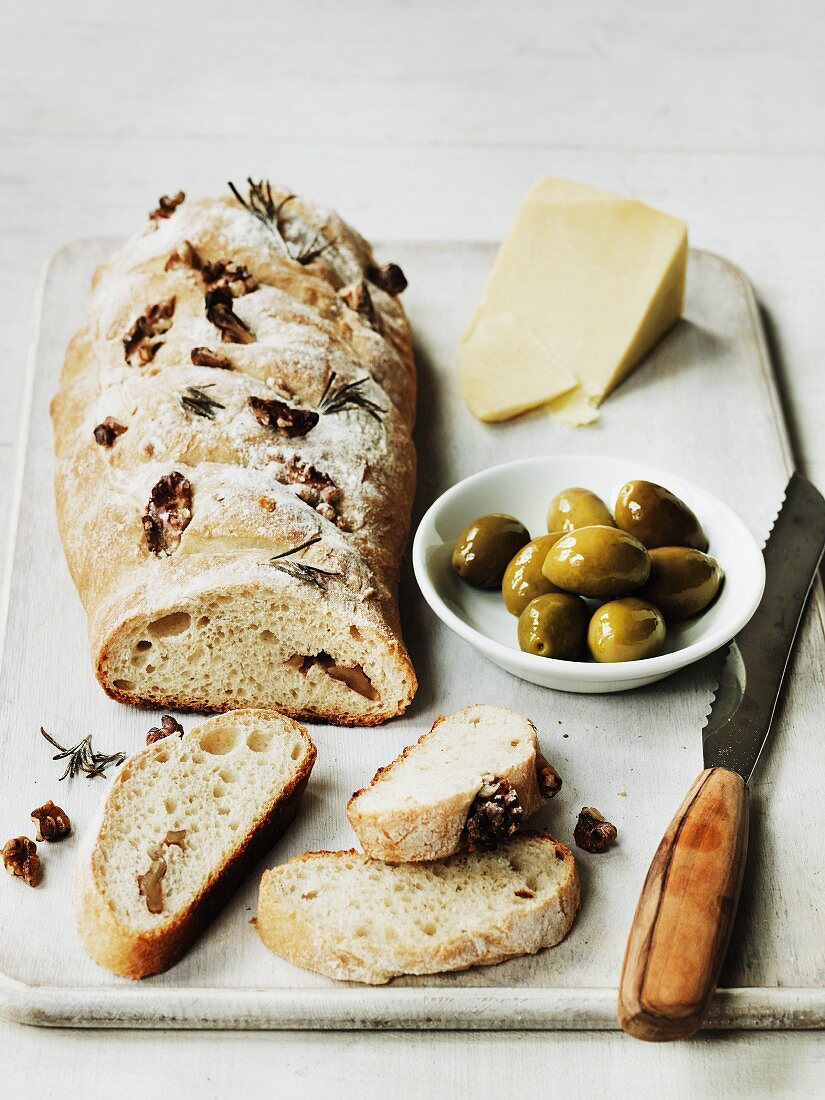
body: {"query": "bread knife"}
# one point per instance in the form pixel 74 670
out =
pixel 683 921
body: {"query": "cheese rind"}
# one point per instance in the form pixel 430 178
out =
pixel 584 286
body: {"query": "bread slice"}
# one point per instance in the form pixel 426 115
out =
pixel 417 808
pixel 185 819
pixel 357 919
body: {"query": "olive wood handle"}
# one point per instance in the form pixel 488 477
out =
pixel 685 914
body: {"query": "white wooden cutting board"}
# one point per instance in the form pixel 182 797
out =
pixel 705 406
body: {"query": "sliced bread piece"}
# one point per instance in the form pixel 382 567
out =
pixel 185 819
pixel 473 779
pixel 357 919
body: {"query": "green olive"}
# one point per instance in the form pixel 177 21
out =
pixel 597 561
pixel 554 625
pixel 682 581
pixel 656 517
pixel 523 578
pixel 484 549
pixel 572 508
pixel 626 630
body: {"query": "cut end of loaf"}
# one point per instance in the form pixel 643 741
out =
pixel 239 645
pixel 353 918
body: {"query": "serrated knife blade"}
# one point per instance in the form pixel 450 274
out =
pixel 687 906
pixel 754 667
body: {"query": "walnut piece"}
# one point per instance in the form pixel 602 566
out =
pixel 495 815
pixel 150 885
pixel 593 833
pixel 549 779
pixel 220 313
pixel 314 487
pixel 357 296
pixel 166 207
pixel 205 357
pixel 390 278
pixel 141 343
pixel 168 726
pixel 107 432
pixel 185 255
pixel 167 514
pixel 52 822
pixel 20 859
pixel 284 419
pixel 235 278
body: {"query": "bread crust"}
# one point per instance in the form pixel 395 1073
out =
pixel 133 954
pixel 523 930
pixel 245 509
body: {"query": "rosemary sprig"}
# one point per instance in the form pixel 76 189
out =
pixel 83 758
pixel 301 570
pixel 261 205
pixel 348 396
pixel 200 403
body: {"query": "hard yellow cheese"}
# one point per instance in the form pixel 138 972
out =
pixel 584 286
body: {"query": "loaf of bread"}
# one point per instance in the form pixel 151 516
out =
pixel 181 825
pixel 235 466
pixel 473 780
pixel 357 919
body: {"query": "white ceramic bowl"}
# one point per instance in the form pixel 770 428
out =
pixel 524 489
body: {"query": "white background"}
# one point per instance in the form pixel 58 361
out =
pixel 426 120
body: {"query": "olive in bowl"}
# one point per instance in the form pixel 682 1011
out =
pixel 657 517
pixel 597 561
pixel 629 629
pixel 485 548
pixel 523 578
pixel 554 625
pixel 682 581
pixel 577 507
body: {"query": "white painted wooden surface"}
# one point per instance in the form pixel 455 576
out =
pixel 426 120
pixel 632 755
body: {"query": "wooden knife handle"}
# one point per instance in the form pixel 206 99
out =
pixel 685 914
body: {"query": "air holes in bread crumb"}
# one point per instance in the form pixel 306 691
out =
pixel 171 805
pixel 355 634
pixel 267 636
pixel 259 741
pixel 169 625
pixel 144 643
pixel 124 685
pixel 219 740
pixel 202 622
pixel 227 775
pixel 296 752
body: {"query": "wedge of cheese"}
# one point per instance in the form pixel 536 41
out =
pixel 583 287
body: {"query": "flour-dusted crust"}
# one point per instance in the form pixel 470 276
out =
pixel 204 621
pixel 177 784
pixel 416 807
pixel 356 919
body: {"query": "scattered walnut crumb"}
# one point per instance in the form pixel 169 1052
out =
pixel 267 504
pixel 525 892
pixel 622 794
pixel 140 345
pixel 52 822
pixel 21 860
pixel 166 207
pixel 593 833
pixel 168 726
pixel 107 432
pixel 390 278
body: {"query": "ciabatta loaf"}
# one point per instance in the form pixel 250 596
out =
pixel 184 821
pixel 357 919
pixel 473 779
pixel 235 466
